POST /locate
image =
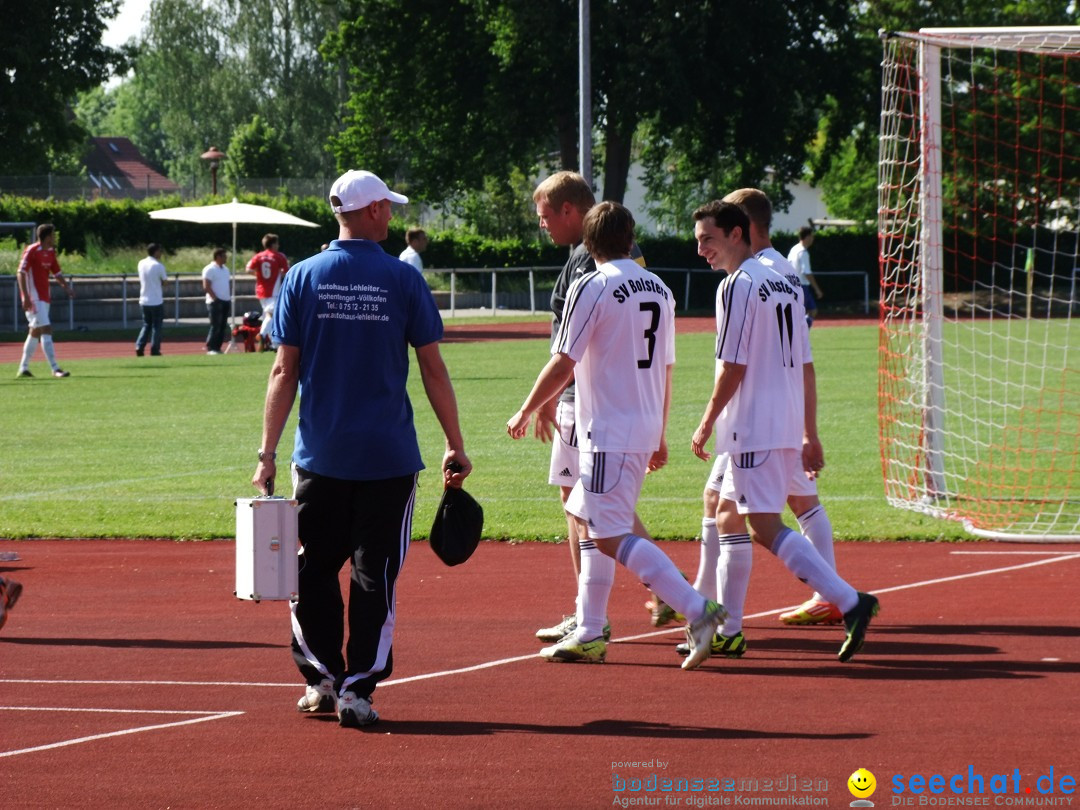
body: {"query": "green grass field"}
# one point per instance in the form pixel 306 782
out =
pixel 133 449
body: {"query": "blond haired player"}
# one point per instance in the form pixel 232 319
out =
pixel 617 340
pixel 562 201
pixel 758 409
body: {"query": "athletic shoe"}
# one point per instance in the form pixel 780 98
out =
pixel 561 630
pixel 155 354
pixel 570 649
pixel 212 351
pixel 24 372
pixel 727 646
pixel 320 697
pixel 564 628
pixel 856 621
pixel 662 613
pixel 59 372
pixel 355 711
pixel 813 611
pixel 9 595
pixel 700 632
pixel 139 352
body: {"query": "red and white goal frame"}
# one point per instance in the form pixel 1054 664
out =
pixel 979 258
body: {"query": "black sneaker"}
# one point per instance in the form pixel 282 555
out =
pixel 59 372
pixel 354 711
pixel 856 621
pixel 139 352
pixel 24 372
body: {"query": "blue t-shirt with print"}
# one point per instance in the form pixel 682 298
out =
pixel 353 311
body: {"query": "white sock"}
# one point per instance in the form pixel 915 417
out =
pixel 660 575
pixel 28 351
pixel 50 353
pixel 733 574
pixel 817 527
pixel 800 558
pixel 594 587
pixel 705 582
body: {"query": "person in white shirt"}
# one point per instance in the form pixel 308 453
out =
pixel 726 556
pixel 757 406
pixel 799 258
pixel 151 276
pixel 417 242
pixel 216 284
pixel 617 340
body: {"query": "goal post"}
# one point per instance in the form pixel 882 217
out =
pixel 979 258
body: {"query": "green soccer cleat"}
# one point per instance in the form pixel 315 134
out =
pixel 572 650
pixel 856 621
pixel 727 646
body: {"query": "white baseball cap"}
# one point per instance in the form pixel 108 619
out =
pixel 358 189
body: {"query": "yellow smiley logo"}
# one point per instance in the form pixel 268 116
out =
pixel 862 784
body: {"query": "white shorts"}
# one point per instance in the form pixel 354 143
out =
pixel 39 317
pixel 759 482
pixel 563 470
pixel 606 496
pixel 268 305
pixel 716 474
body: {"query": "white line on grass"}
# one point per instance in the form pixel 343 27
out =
pixel 516 659
pixel 206 717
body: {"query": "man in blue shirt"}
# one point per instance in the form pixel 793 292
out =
pixel 343 324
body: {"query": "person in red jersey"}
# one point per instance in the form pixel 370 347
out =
pixel 37 266
pixel 268 267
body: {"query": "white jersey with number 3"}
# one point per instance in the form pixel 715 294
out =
pixel 619 327
pixel 761 324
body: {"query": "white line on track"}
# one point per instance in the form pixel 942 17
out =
pixel 1052 557
pixel 204 718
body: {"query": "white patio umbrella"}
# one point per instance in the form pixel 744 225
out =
pixel 235 213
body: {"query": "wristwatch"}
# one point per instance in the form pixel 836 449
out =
pixel 267 455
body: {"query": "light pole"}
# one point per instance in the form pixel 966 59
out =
pixel 214 157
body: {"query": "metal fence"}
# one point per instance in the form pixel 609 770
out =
pixel 113 300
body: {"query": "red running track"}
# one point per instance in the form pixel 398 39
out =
pixel 131 677
pixel 513 330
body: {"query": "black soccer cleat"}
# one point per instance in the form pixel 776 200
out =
pixel 856 621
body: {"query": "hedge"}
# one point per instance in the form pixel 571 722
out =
pixel 125 224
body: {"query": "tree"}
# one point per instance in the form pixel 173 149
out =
pixel 256 150
pixel 51 54
pixel 435 97
pixel 846 158
pixel 204 68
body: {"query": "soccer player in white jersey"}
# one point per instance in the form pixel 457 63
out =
pixel 757 405
pixel 618 340
pixel 726 551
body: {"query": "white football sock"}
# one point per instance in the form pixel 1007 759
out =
pixel 594 587
pixel 733 574
pixel 660 575
pixel 50 353
pixel 817 527
pixel 29 347
pixel 705 582
pixel 799 556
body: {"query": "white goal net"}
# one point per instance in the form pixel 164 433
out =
pixel 978 230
